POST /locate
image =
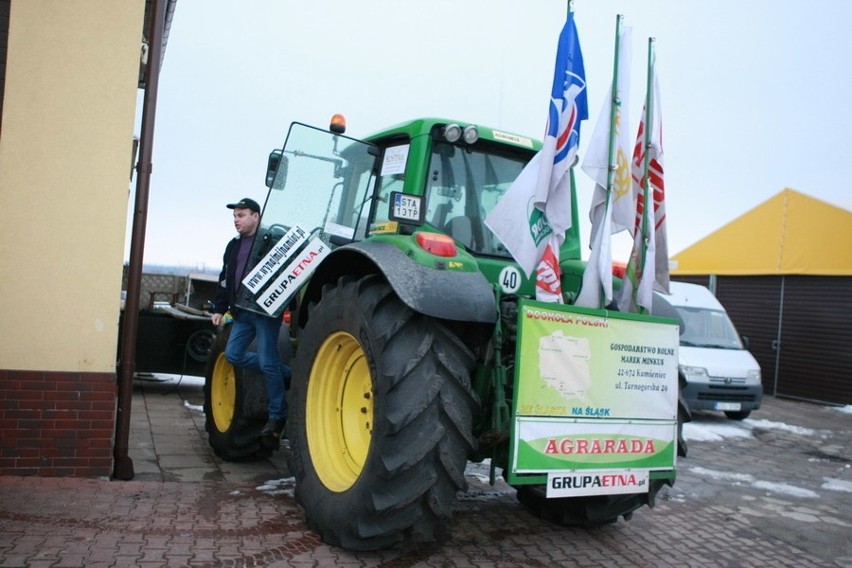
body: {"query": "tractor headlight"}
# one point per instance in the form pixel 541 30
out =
pixel 471 134
pixel 452 133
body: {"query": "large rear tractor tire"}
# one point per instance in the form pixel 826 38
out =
pixel 235 403
pixel 380 420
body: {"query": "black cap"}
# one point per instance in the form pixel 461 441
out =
pixel 245 203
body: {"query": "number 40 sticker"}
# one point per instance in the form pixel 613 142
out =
pixel 510 279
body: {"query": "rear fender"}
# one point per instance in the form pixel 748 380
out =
pixel 445 294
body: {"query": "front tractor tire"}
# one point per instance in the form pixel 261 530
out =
pixel 381 419
pixel 235 404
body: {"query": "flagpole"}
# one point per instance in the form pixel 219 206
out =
pixel 572 187
pixel 645 169
pixel 615 102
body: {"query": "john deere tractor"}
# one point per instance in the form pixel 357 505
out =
pixel 416 348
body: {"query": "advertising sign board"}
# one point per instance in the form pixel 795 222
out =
pixel 595 406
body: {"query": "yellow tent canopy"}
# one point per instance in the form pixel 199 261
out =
pixel 790 233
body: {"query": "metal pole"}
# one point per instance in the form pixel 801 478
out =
pixel 648 215
pixel 776 378
pixel 615 102
pixel 123 465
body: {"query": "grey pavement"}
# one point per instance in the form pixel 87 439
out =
pixel 168 441
pixel 775 490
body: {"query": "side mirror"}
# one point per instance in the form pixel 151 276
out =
pixel 746 342
pixel 276 170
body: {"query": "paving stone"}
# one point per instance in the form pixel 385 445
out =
pixel 740 502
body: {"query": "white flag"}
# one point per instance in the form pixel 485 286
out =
pixel 597 277
pixel 596 163
pixel 619 213
pixel 518 223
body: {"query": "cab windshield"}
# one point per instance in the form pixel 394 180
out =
pixel 463 186
pixel 317 200
pixel 321 185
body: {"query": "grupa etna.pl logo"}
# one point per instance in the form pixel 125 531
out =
pixel 596 483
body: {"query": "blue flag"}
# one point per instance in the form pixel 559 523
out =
pixel 568 98
pixel 533 215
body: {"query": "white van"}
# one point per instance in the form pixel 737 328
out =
pixel 719 372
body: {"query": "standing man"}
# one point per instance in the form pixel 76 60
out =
pixel 248 324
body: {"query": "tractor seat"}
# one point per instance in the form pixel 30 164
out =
pixel 460 229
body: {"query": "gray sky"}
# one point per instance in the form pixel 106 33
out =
pixel 753 96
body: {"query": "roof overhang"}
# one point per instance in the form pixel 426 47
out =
pixel 149 13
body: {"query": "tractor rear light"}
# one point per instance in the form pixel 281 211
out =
pixel 436 243
pixel 286 317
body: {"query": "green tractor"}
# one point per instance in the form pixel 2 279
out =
pixel 405 315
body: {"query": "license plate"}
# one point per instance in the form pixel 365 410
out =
pixel 406 207
pixel 728 406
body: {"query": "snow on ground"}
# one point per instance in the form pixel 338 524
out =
pixel 716 431
pixel 837 484
pixel 845 409
pixel 785 489
pixel 284 486
pixel 175 381
pixel 770 425
pixel 193 407
pixel 739 479
pixel 181 380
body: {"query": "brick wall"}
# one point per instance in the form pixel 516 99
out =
pixel 57 424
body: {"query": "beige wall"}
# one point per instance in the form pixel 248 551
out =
pixel 65 152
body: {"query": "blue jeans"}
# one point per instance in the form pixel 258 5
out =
pixel 248 325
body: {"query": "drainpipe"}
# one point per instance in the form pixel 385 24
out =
pixel 123 465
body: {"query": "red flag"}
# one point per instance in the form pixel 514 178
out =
pixel 648 268
pixel 548 276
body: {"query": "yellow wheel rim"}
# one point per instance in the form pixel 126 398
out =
pixel 339 411
pixel 223 393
